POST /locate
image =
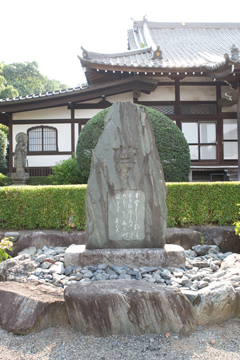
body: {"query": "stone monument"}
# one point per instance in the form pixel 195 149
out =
pixel 125 200
pixel 20 158
pixel 126 213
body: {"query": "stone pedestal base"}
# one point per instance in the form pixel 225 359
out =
pixel 170 256
pixel 19 178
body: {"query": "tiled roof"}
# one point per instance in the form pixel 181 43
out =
pixel 43 95
pixel 190 45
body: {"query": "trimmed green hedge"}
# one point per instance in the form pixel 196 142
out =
pixel 50 207
pixel 202 203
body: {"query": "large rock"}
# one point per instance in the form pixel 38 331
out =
pixel 232 261
pixel 170 256
pixel 16 269
pixel 218 302
pixel 125 198
pixel 128 307
pixel 40 239
pixel 30 307
pixel 184 237
pixel 222 236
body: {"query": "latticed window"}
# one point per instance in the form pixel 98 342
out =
pixel 198 109
pixel 164 109
pixel 42 138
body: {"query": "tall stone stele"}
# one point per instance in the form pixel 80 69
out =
pixel 126 193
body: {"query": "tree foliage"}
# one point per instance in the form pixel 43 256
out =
pixel 24 79
pixel 3 150
pixel 6 91
pixel 171 144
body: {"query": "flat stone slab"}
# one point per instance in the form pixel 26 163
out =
pixel 31 307
pixel 128 307
pixel 40 239
pixel 170 256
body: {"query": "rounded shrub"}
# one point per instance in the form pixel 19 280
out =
pixel 3 150
pixel 171 144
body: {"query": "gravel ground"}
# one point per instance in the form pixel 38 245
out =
pixel 63 343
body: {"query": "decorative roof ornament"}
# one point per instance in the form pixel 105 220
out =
pixel 234 53
pixel 85 53
pixel 157 54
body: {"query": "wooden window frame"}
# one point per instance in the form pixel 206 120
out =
pixel 199 144
pixel 48 152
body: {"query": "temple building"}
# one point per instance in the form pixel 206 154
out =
pixel 188 71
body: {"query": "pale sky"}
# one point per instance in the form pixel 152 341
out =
pixel 51 32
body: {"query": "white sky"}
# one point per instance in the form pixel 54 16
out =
pixel 51 32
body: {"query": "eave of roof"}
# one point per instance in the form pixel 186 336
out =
pixel 64 97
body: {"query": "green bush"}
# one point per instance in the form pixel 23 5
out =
pixel 5 129
pixel 3 150
pixel 171 144
pixel 40 180
pixel 5 180
pixel 237 225
pixel 51 207
pixel 5 244
pixel 65 172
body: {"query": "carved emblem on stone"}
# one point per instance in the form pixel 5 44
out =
pixel 126 158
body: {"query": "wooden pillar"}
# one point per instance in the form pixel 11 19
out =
pixel 72 130
pixel 10 151
pixel 238 126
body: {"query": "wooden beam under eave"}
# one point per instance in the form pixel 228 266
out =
pixel 238 125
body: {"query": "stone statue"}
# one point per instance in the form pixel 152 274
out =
pixel 20 176
pixel 20 155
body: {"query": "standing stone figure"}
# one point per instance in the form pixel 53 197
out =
pixel 20 155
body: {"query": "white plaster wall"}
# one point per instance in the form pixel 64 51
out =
pixel 162 93
pixel 86 113
pixel 197 93
pixel 64 137
pixel 45 160
pixel 128 96
pixel 61 112
pixel 64 134
pixel 163 78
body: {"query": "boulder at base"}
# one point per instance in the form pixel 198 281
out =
pixel 218 302
pixel 128 307
pixel 30 307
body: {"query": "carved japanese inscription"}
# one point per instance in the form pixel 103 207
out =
pixel 126 215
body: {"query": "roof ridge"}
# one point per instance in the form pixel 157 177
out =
pixel 188 25
pixel 90 54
